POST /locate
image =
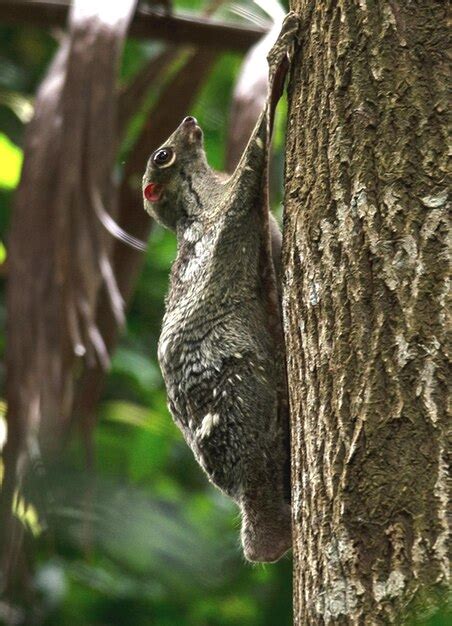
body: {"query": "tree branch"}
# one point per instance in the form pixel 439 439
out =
pixel 184 30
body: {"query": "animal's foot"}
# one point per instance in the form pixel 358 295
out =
pixel 285 41
pixel 267 536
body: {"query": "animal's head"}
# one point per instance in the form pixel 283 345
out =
pixel 168 180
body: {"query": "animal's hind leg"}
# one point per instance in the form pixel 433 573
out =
pixel 240 444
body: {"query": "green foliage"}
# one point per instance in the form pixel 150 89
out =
pixel 10 163
pixel 430 609
pixel 143 539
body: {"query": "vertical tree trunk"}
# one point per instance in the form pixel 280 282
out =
pixel 365 285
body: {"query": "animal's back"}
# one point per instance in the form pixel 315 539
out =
pixel 211 351
pixel 217 353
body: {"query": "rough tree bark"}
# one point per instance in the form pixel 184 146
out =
pixel 365 306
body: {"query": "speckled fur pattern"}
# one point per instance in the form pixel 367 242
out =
pixel 218 353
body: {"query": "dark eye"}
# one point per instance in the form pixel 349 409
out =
pixel 163 157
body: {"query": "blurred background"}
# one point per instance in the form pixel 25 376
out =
pixel 123 527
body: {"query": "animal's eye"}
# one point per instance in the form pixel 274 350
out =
pixel 164 157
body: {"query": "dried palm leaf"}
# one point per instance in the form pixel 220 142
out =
pixel 59 253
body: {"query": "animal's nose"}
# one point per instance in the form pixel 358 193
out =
pixel 190 120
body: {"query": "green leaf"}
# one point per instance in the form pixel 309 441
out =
pixel 138 366
pixel 11 157
pixel 135 415
pixel 2 253
pixel 150 453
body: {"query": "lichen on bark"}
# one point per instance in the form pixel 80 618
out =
pixel 365 250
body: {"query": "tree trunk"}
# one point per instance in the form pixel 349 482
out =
pixel 366 272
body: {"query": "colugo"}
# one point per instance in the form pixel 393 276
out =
pixel 221 348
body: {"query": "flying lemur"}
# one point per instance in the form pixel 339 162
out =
pixel 221 347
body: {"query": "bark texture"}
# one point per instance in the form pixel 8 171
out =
pixel 366 268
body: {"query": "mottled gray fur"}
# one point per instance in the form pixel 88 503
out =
pixel 220 360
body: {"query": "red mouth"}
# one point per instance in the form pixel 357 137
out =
pixel 153 192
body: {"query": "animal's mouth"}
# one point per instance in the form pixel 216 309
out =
pixel 153 192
